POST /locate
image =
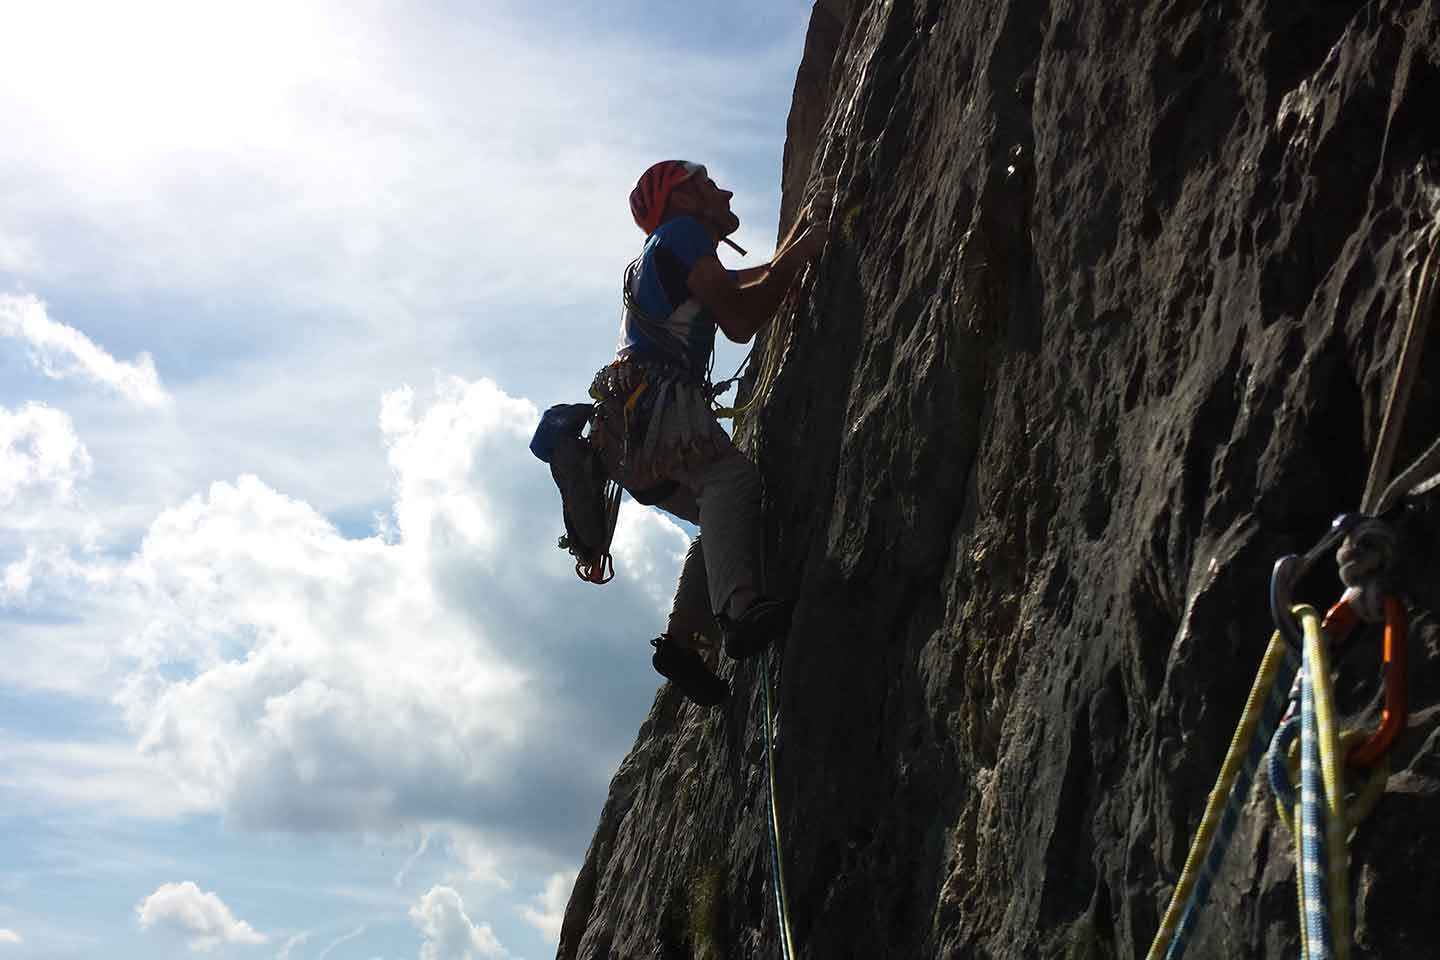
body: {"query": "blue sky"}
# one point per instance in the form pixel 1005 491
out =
pixel 293 668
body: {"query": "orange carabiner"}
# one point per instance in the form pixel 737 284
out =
pixel 1392 718
pixel 1340 622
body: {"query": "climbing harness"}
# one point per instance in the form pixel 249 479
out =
pixel 1322 816
pixel 712 391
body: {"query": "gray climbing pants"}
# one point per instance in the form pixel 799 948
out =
pixel 720 572
pixel 677 440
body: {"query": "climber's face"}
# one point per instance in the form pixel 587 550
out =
pixel 702 199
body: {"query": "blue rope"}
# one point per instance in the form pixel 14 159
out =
pixel 1315 871
pixel 1279 772
pixel 1275 705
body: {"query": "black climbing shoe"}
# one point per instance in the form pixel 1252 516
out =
pixel 686 670
pixel 754 629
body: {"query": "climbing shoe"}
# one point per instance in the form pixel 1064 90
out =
pixel 686 670
pixel 753 630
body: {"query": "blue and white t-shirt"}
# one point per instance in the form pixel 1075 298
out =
pixel 668 322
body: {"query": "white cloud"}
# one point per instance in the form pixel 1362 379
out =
pixel 650 547
pixel 453 678
pixel 325 683
pixel 546 912
pixel 10 936
pixel 455 674
pixel 449 932
pixel 41 460
pixel 386 197
pixel 201 916
pixel 475 852
pixel 42 520
pixel 62 352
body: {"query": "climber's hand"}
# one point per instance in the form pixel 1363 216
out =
pixel 820 201
pixel 808 245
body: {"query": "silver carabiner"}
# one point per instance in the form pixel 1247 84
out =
pixel 1289 570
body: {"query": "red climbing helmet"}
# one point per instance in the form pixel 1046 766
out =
pixel 652 192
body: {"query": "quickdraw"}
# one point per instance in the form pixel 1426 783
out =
pixel 1323 813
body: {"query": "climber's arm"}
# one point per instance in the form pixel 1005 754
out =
pixel 744 305
pixel 751 275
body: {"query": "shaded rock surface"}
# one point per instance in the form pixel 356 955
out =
pixel 1112 305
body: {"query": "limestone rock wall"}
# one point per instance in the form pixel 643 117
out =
pixel 1106 326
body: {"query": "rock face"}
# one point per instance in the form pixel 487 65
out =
pixel 1112 305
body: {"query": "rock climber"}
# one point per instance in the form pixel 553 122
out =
pixel 656 431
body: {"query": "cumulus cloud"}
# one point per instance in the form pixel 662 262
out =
pixel 546 911
pixel 62 352
pixel 200 916
pixel 452 674
pixel 41 460
pixel 10 936
pixel 449 932
pixel 451 677
pixel 42 521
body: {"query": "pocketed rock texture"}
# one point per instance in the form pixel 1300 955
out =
pixel 1113 300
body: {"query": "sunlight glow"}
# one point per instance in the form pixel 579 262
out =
pixel 166 76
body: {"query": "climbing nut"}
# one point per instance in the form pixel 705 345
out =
pixel 1367 555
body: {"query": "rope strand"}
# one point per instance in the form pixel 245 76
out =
pixel 1395 407
pixel 1263 709
pixel 777 866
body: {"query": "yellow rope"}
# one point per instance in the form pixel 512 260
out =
pixel 1333 771
pixel 1215 807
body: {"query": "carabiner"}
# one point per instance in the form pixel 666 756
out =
pixel 1340 621
pixel 1289 570
pixel 1396 710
